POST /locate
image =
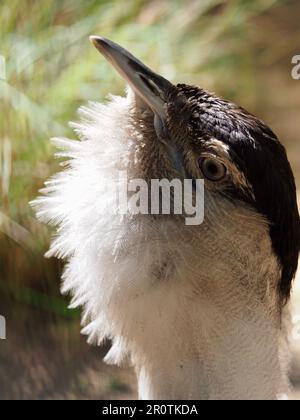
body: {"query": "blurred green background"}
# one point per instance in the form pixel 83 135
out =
pixel 238 48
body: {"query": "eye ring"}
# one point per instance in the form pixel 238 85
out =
pixel 212 169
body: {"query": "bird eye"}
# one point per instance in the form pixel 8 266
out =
pixel 212 168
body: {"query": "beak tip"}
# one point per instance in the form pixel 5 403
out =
pixel 93 39
pixel 98 42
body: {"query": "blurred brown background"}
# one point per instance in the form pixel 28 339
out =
pixel 240 49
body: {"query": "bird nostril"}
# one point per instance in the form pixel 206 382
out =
pixel 150 85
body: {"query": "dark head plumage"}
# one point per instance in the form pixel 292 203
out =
pixel 258 153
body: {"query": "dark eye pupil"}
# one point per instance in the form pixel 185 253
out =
pixel 212 169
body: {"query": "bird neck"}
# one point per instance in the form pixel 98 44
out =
pixel 200 315
pixel 212 354
pixel 208 324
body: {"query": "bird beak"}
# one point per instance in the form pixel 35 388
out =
pixel 147 85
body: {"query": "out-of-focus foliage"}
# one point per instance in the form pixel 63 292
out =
pixel 228 46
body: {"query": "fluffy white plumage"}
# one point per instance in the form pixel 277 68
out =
pixel 196 318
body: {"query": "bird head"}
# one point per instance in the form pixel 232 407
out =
pixel 193 134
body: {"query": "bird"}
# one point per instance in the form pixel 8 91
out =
pixel 201 312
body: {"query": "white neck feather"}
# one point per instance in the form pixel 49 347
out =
pixel 194 308
pixel 212 355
